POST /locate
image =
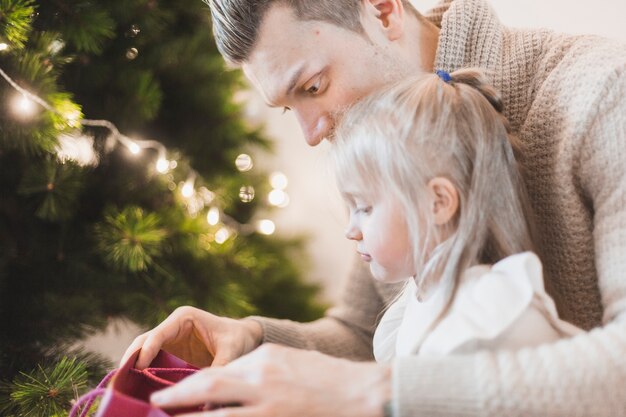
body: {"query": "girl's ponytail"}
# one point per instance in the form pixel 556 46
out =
pixel 447 125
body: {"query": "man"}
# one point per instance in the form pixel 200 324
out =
pixel 565 98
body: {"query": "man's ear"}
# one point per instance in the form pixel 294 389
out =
pixel 445 200
pixel 390 14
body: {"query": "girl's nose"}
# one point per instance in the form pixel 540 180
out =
pixel 354 233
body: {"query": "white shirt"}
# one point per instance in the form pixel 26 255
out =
pixel 503 306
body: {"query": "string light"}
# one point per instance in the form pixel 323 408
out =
pixel 266 227
pixel 213 216
pixel 194 204
pixel 134 148
pixel 163 165
pixel 56 46
pixel 73 118
pixel 77 148
pixel 246 193
pixel 187 190
pixel 278 198
pixel 206 195
pixel 133 31
pixel 73 147
pixel 131 53
pixel 23 106
pixel 222 235
pixel 279 181
pixel 244 162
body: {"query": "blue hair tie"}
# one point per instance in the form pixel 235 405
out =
pixel 444 76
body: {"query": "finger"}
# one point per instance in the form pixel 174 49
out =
pixel 228 412
pixel 222 357
pixel 134 346
pixel 203 387
pixel 167 330
pixel 150 348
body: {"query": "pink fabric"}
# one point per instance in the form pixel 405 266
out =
pixel 128 394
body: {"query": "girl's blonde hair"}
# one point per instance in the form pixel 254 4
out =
pixel 395 141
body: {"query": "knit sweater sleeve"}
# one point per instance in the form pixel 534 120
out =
pixel 435 14
pixel 346 330
pixel 582 376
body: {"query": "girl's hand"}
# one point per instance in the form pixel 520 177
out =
pixel 197 337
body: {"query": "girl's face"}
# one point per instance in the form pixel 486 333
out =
pixel 379 227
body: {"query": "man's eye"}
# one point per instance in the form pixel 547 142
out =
pixel 286 109
pixel 314 88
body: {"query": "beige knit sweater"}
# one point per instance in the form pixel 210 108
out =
pixel 566 99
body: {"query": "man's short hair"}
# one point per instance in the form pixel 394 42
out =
pixel 236 23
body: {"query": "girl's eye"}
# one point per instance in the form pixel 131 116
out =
pixel 286 109
pixel 364 210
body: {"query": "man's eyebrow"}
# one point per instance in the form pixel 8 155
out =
pixel 293 81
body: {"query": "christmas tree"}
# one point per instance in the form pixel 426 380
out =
pixel 126 189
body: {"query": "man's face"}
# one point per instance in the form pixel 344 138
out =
pixel 317 69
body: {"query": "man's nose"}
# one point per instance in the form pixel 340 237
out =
pixel 315 125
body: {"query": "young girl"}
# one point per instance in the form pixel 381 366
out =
pixel 437 200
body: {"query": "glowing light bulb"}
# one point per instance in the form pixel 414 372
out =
pixel 132 53
pixel 163 165
pixel 56 46
pixel 3 46
pixel 279 180
pixel 222 235
pixel 213 216
pixel 78 148
pixel 23 106
pixel 278 198
pixel 246 193
pixel 187 190
pixel 207 195
pixel 134 148
pixel 244 162
pixel 73 119
pixel 266 227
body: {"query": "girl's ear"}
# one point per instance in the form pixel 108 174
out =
pixel 390 14
pixel 445 200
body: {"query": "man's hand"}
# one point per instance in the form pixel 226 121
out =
pixel 197 337
pixel 276 381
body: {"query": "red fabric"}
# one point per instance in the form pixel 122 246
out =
pixel 128 394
